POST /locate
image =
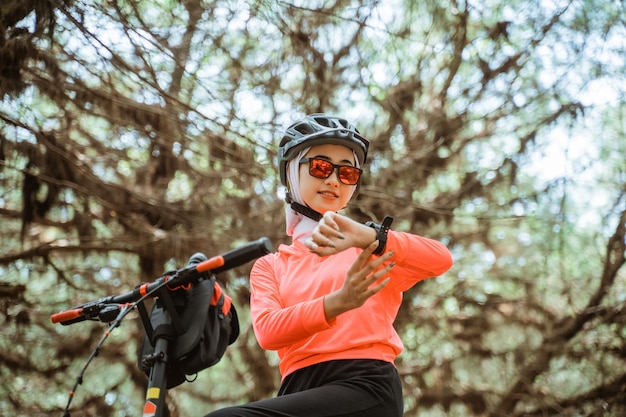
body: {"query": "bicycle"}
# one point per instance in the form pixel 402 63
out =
pixel 164 328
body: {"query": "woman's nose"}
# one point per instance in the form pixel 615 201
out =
pixel 333 179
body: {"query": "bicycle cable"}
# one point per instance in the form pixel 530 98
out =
pixel 125 309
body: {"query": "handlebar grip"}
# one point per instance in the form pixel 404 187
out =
pixel 67 315
pixel 236 257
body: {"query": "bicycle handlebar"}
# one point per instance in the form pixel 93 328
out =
pixel 66 316
pixel 105 309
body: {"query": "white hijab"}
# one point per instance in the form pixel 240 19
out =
pixel 299 226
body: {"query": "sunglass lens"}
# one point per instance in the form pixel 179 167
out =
pixel 320 168
pixel 349 175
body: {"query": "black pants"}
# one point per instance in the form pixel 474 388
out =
pixel 345 388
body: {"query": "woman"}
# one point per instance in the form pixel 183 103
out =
pixel 328 301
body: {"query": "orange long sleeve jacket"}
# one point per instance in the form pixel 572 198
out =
pixel 288 289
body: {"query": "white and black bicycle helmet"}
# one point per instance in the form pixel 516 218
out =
pixel 319 129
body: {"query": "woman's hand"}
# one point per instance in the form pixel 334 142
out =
pixel 362 282
pixel 335 233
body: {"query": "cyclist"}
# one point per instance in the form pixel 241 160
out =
pixel 328 301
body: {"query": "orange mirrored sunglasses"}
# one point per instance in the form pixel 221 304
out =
pixel 322 169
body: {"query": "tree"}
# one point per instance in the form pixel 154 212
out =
pixel 133 134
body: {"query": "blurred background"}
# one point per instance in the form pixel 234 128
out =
pixel 136 133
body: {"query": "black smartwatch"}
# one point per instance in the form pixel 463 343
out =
pixel 381 233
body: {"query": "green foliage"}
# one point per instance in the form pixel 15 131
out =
pixel 136 133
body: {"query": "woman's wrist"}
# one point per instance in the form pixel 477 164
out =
pixel 369 235
pixel 333 306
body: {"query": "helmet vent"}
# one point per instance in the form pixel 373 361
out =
pixel 325 121
pixel 304 128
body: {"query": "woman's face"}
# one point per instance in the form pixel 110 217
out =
pixel 328 194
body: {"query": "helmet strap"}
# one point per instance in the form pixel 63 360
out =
pixel 302 209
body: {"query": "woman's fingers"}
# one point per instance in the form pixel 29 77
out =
pixel 364 279
pixel 363 261
pixel 376 289
pixel 380 273
pixel 326 232
pixel 364 274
